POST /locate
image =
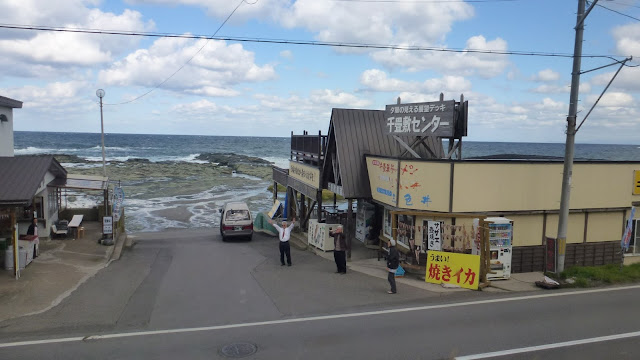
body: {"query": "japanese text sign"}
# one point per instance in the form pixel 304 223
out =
pixel 636 182
pixel 306 174
pixel 434 235
pixel 426 119
pixel 383 178
pixel 453 268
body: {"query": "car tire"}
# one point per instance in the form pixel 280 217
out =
pixel 224 239
pixel 250 237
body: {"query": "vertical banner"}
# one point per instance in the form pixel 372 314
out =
pixel 453 268
pixel 434 235
pixel 550 255
pixel 626 238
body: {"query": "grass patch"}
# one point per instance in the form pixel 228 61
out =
pixel 589 276
pixel 281 188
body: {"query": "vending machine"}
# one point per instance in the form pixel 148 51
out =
pixel 500 247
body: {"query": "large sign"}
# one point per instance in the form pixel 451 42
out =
pixel 453 268
pixel 306 174
pixel 118 199
pixel 383 178
pixel 424 119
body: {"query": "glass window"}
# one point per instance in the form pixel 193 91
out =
pixel 387 223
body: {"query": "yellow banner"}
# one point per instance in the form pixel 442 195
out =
pixel 636 182
pixel 453 268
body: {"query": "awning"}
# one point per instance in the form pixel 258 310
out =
pixel 85 182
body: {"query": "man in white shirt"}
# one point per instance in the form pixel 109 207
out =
pixel 284 233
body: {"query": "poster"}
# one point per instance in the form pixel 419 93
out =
pixel 364 220
pixel 453 268
pixel 434 235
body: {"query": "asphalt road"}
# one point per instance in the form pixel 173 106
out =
pixel 188 295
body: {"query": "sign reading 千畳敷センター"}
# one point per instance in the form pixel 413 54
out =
pixel 305 173
pixel 426 119
pixel 453 268
pixel 383 178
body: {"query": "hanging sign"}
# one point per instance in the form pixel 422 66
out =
pixel 434 236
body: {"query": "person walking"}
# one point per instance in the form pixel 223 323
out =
pixel 340 247
pixel 393 261
pixel 284 233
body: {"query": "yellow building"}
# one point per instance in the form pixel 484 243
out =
pixel 527 192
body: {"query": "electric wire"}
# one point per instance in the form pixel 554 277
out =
pixel 304 42
pixel 618 12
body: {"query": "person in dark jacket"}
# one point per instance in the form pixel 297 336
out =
pixel 340 247
pixel 393 261
pixel 33 228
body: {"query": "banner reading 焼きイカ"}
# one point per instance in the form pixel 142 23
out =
pixel 453 268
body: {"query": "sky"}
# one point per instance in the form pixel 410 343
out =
pixel 204 86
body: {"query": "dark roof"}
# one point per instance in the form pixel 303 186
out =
pixel 21 176
pixel 354 133
pixel 6 102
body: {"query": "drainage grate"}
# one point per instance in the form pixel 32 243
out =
pixel 238 350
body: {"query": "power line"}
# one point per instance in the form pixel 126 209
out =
pixel 618 12
pixel 302 42
pixel 425 1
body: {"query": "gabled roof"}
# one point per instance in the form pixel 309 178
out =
pixel 354 133
pixel 10 103
pixel 21 176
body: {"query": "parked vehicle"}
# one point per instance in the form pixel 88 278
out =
pixel 236 221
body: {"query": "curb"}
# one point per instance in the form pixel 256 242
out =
pixel 117 251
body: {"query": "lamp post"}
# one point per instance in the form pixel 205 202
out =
pixel 100 94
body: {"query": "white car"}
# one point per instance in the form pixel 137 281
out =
pixel 236 221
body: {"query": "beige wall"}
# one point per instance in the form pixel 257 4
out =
pixel 422 181
pixel 486 186
pixel 604 226
pixel 575 227
pixel 527 229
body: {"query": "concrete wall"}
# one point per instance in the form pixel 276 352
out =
pixel 6 132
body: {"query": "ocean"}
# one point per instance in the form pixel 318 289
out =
pixel 180 181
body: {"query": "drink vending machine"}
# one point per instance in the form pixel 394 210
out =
pixel 500 247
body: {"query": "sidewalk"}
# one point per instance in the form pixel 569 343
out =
pixel 62 266
pixel 365 260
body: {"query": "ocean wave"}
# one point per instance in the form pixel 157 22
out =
pixel 278 161
pixel 31 150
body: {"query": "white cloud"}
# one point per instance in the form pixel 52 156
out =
pixel 378 80
pixel 462 63
pixel 287 54
pixel 613 99
pixel 337 98
pixel 41 53
pixel 212 72
pixel 546 75
pixel 55 95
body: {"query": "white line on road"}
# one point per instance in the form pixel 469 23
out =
pixel 312 318
pixel 549 346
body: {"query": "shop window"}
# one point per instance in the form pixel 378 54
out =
pixel 53 202
pixel 387 224
pixel 406 230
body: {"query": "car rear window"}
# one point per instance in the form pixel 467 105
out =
pixel 237 215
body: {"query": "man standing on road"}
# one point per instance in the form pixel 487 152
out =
pixel 340 247
pixel 393 261
pixel 284 233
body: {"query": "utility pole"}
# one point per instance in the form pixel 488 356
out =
pixel 561 244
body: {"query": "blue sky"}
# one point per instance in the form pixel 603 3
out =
pixel 258 89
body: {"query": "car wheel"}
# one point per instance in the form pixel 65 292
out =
pixel 224 239
pixel 250 237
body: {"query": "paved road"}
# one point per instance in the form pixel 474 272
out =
pixel 187 295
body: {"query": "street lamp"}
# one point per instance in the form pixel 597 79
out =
pixel 100 94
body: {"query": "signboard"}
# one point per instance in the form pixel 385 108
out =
pixel 424 119
pixel 626 238
pixel 306 174
pixel 274 209
pixel 434 235
pixel 118 199
pixel 550 255
pixel 636 182
pixel 334 188
pixel 107 225
pixel 383 178
pixel 453 268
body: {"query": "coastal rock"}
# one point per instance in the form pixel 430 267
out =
pixel 231 160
